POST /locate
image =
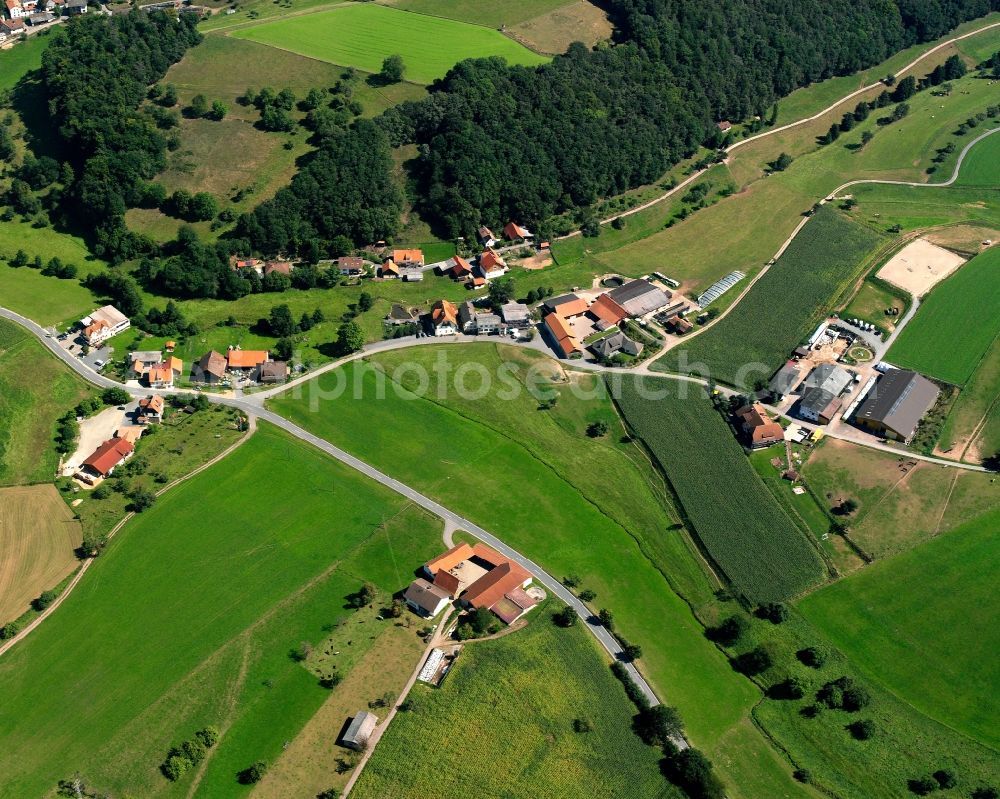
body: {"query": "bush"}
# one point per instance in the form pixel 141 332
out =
pixel 632 690
pixel 43 600
pixel 566 617
pixel 862 730
pixel 582 725
pixel 657 725
pixel 587 595
pixel 922 786
pixel 607 619
pixel 803 775
pixel 253 773
pixel 209 736
pixel 774 612
pixel 754 662
pixel 729 631
pixel 174 767
pixel 692 771
pixel 844 694
pixel 597 429
pixel 142 499
pixel 812 656
pixel 945 778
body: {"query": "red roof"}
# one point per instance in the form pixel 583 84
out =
pixel 562 334
pixel 607 310
pixel 512 230
pixel 461 267
pixel 490 259
pixel 447 581
pixel 107 456
pixel 246 359
pixel 443 311
pixel 491 587
pixel 283 267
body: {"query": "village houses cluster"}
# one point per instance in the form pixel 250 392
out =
pixel 21 13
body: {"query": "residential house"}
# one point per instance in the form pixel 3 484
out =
pixel 561 335
pixel 359 731
pixel 896 404
pixel 640 297
pixel 481 577
pixel 409 258
pixel 388 270
pixel 141 360
pixel 75 7
pixel 487 323
pixel 281 267
pixel 15 10
pixel 491 265
pixel 350 265
pixel 41 18
pixel 103 461
pixel 759 428
pixel 567 306
pixel 426 599
pixel 210 368
pixel 725 125
pixel 516 315
pixel 606 312
pixel 130 433
pixel 246 363
pixel 12 26
pixel 150 410
pixel 444 318
pixel 102 324
pixel 467 317
pixel 461 269
pixel 485 236
pixel 160 376
pixel 273 372
pixel 239 264
pixel 830 377
pixel 616 343
pixel 517 234
pixel 819 405
pixel 785 379
pixel 401 315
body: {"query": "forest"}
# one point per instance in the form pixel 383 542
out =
pixel 96 75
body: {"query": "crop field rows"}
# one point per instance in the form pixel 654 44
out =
pixel 751 538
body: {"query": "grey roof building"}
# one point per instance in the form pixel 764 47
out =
pixel 467 317
pixel 819 405
pixel 487 323
pixel 359 730
pixel 399 314
pixel 897 403
pixel 829 377
pixel 615 343
pixel 516 315
pixel 273 372
pixel 785 379
pixel 640 297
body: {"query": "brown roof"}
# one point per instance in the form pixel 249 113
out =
pixel 447 581
pixel 350 262
pixel 443 311
pixel 562 334
pixel 246 359
pixel 575 307
pixel 769 431
pixel 425 595
pixel 408 256
pixel 107 456
pixel 449 559
pixel 491 587
pixel 512 230
pixel 153 404
pixel 389 266
pixel 213 363
pixel 461 267
pixel 160 373
pixel 489 259
pixel 606 309
pixel 274 370
pixel 278 266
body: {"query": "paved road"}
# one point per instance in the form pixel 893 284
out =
pixel 771 132
pixel 252 406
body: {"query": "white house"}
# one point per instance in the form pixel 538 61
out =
pixel 102 324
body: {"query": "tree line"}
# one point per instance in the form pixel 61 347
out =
pixel 96 75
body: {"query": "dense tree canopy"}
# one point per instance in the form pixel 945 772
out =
pixel 96 75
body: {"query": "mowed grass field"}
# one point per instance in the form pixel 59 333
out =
pixel 899 504
pixel 38 536
pixel 753 540
pixel 784 306
pixel 363 35
pixel 35 390
pixel 981 166
pixel 481 12
pixel 502 725
pixel 574 504
pixel 935 605
pixel 188 619
pixel 18 61
pixel 956 323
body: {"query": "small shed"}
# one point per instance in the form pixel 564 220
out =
pixel 359 731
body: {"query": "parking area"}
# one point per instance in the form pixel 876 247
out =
pixel 95 431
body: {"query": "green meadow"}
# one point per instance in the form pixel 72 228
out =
pixel 923 624
pixel 189 617
pixel 35 390
pixel 520 471
pixel 522 691
pixel 955 325
pixel 363 35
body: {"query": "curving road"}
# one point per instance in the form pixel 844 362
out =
pixel 253 406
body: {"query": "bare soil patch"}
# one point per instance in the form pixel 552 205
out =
pixel 554 32
pixel 963 238
pixel 920 266
pixel 38 535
